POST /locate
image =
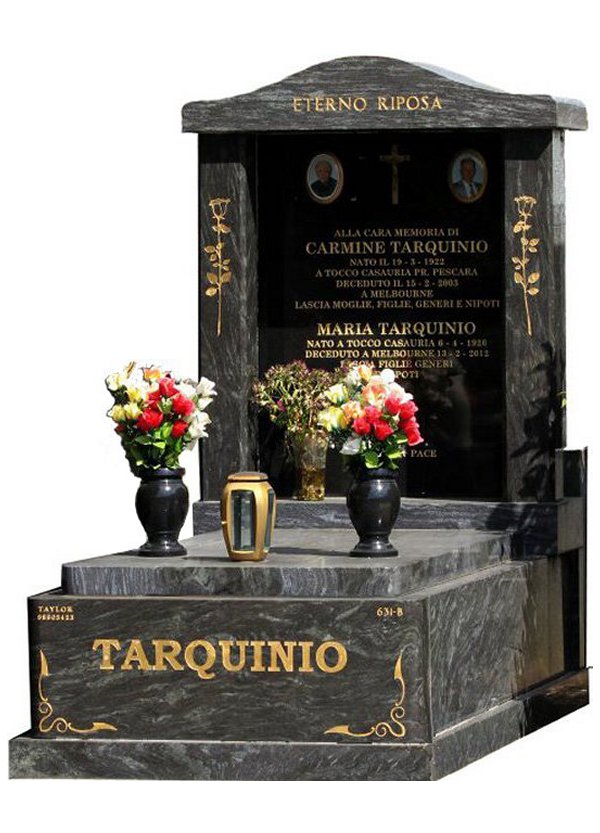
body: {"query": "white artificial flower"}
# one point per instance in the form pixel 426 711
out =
pixel 351 446
pixel 135 376
pixel 398 390
pixel 115 381
pixel 337 393
pixel 204 402
pixel 206 388
pixel 198 425
pixel 353 377
pixel 186 389
pixel 388 376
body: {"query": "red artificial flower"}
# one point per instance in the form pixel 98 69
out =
pixel 149 419
pixel 167 387
pixel 408 410
pixel 413 435
pixel 182 405
pixel 120 428
pixel 179 428
pixel 372 414
pixel 393 405
pixel 361 425
pixel 153 396
pixel 382 429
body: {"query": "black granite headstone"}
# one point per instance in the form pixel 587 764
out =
pixel 400 270
pixel 382 210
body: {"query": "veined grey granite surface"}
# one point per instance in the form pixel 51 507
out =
pixel 379 761
pixel 536 528
pixel 303 562
pixel 290 104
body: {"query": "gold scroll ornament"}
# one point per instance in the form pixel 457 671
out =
pixel 392 726
pixel 529 245
pixel 220 273
pixel 60 724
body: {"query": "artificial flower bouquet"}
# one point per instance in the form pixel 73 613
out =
pixel 370 417
pixel 293 396
pixel 158 415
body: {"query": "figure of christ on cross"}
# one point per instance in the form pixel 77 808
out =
pixel 394 159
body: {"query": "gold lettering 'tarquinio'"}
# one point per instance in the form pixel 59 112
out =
pixel 231 655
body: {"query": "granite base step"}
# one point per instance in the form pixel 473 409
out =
pixel 451 749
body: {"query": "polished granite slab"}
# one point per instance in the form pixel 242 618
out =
pixel 303 562
pixel 537 529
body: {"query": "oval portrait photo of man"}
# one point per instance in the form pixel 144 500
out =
pixel 324 178
pixel 468 176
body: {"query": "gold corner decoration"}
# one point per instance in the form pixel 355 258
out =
pixel 220 273
pixel 60 724
pixel 529 245
pixel 393 725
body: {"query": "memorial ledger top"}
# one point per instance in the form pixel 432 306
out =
pixel 379 93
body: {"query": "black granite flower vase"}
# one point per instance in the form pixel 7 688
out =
pixel 373 504
pixel 162 503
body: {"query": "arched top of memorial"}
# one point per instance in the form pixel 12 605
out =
pixel 367 93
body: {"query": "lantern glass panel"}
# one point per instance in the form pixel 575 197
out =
pixel 244 520
pixel 271 505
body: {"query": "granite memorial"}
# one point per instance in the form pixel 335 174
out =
pixel 363 209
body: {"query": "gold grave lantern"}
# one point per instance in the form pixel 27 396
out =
pixel 248 515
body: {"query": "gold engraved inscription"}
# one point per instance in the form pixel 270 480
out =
pixel 55 613
pixel 206 658
pixel 361 103
pixel 392 726
pixel 48 723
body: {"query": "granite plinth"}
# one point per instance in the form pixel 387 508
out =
pixel 200 760
pixel 537 529
pixel 303 562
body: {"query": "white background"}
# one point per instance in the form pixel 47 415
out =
pixel 98 228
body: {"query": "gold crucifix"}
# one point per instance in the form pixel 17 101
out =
pixel 394 159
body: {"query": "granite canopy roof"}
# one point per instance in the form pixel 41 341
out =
pixel 370 93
